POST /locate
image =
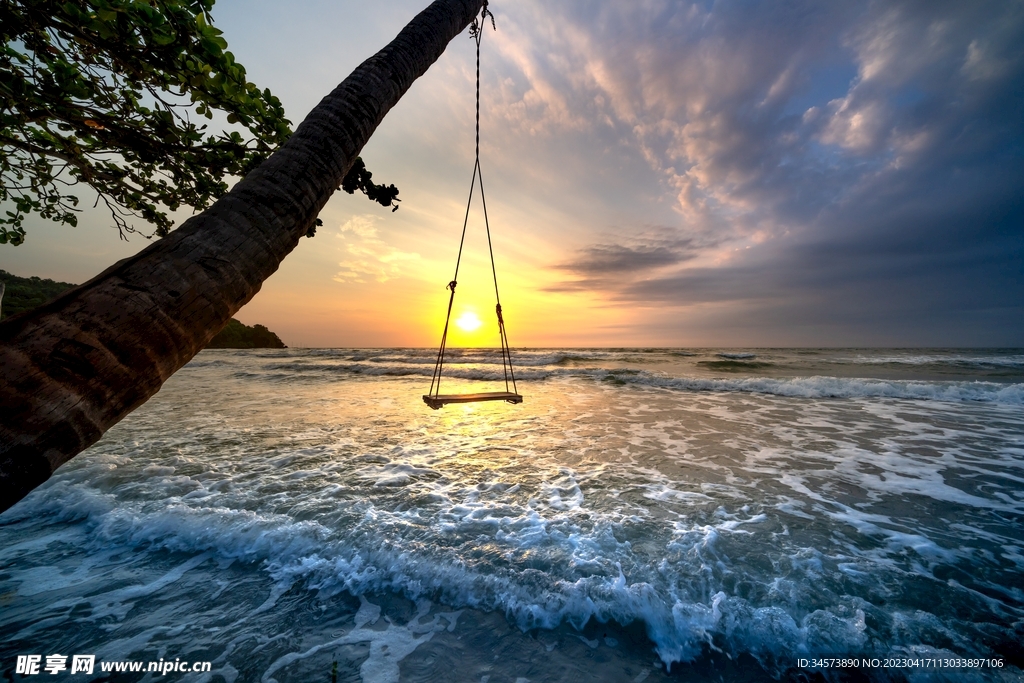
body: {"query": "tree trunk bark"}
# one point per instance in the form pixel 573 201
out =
pixel 74 367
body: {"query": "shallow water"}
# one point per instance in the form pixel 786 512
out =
pixel 645 514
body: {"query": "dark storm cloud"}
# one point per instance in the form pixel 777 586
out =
pixel 614 259
pixel 604 266
pixel 857 156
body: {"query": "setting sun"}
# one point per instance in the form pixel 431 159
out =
pixel 468 321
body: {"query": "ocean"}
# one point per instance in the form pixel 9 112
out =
pixel 644 515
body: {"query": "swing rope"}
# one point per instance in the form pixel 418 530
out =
pixel 476 33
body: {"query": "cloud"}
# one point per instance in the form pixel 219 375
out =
pixel 849 148
pixel 617 259
pixel 613 265
pixel 368 258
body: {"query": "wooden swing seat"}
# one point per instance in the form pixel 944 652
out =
pixel 439 400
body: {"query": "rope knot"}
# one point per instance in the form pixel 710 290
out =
pixel 451 286
pixel 477 26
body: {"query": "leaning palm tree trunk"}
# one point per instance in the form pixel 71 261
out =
pixel 73 368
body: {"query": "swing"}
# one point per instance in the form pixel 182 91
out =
pixel 434 398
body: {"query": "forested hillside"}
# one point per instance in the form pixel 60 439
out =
pixel 25 293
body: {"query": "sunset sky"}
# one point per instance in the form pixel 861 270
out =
pixel 658 173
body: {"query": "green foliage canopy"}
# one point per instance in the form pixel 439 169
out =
pixel 115 94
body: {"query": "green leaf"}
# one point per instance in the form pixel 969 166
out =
pixel 164 38
pixel 103 61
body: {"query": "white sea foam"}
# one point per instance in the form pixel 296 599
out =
pixel 836 387
pixel 949 359
pixel 719 512
pixel 293 551
pixel 814 387
pixel 388 647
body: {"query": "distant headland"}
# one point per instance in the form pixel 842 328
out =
pixel 20 294
pixel 236 335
